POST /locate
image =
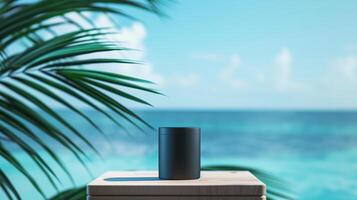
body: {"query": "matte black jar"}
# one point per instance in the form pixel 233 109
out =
pixel 179 153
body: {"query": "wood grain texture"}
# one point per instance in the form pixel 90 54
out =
pixel 146 183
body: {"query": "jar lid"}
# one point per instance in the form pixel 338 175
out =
pixel 179 130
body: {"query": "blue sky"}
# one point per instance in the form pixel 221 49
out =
pixel 253 54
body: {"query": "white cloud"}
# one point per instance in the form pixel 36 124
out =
pixel 189 80
pixel 132 37
pixel 229 74
pixel 283 76
pixel 342 75
pixel 347 68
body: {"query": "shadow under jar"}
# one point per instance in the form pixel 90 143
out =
pixel 179 153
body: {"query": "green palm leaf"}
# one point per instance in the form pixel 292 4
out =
pixel 79 193
pixel 50 68
pixel 7 186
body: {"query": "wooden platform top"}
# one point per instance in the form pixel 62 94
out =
pixel 220 183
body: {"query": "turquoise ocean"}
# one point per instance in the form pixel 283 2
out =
pixel 315 152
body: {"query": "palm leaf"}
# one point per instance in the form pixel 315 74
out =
pixel 7 186
pixel 79 193
pixel 35 13
pixel 6 154
pixel 50 68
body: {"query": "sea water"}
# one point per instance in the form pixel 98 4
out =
pixel 315 152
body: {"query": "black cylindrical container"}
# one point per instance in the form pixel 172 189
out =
pixel 179 153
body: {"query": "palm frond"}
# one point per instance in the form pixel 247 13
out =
pixel 7 187
pixel 7 155
pixel 53 68
pixel 27 15
pixel 78 193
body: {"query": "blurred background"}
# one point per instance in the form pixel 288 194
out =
pixel 272 84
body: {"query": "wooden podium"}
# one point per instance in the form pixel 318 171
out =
pixel 145 185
